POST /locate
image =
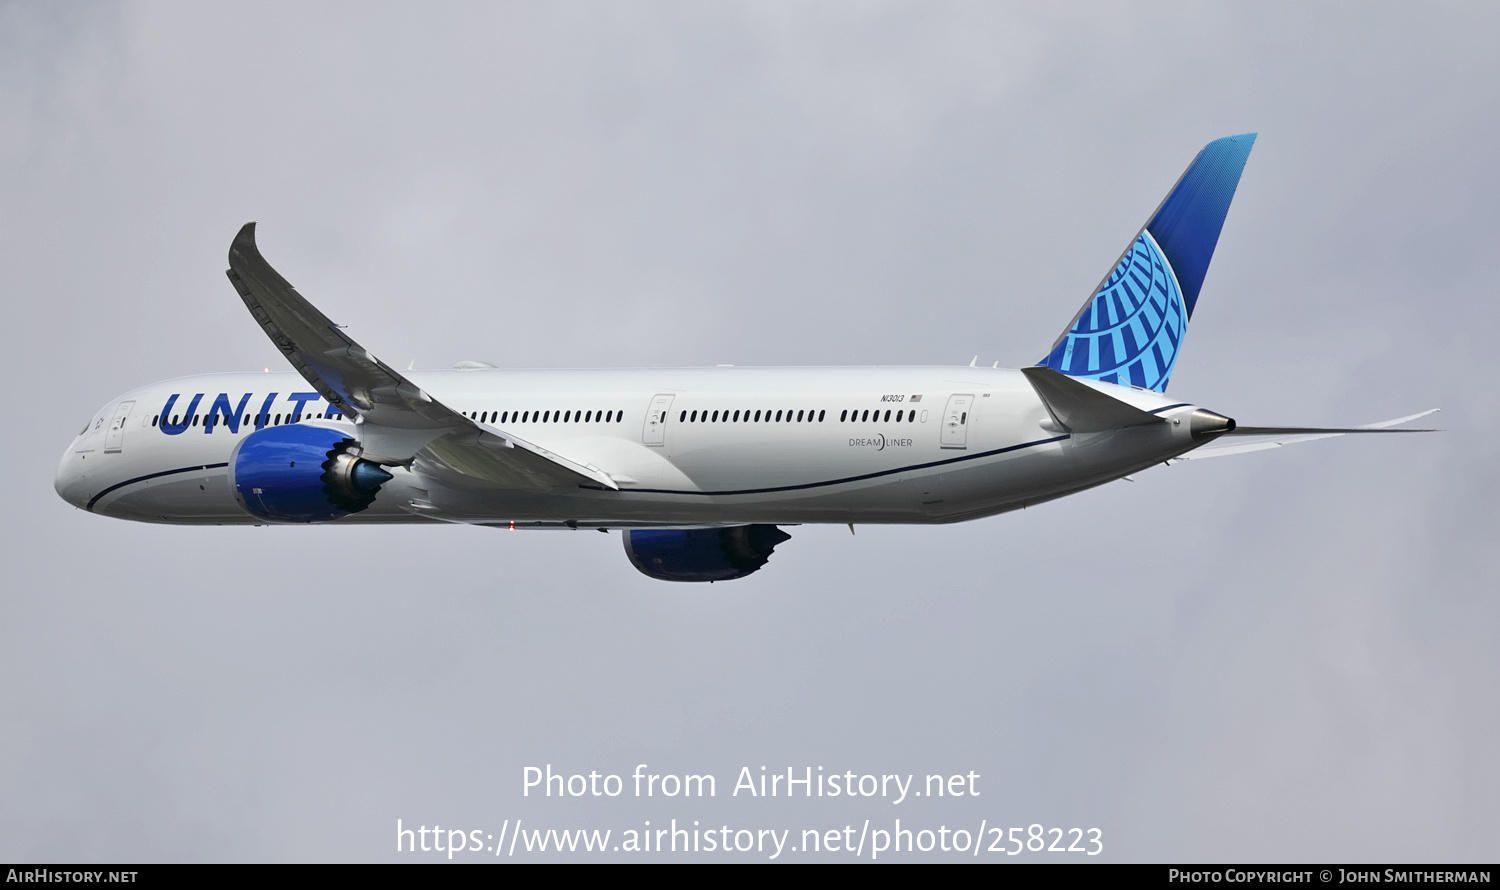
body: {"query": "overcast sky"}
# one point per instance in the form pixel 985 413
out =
pixel 1281 656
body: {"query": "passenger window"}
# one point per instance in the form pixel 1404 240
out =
pixel 965 418
pixel 716 417
pixel 820 416
pixel 153 423
pixel 887 415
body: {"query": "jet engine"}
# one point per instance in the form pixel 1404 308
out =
pixel 702 554
pixel 302 474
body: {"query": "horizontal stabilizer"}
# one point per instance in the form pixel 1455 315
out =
pixel 1079 408
pixel 1261 438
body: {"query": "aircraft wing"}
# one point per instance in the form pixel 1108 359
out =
pixel 1260 438
pixel 395 417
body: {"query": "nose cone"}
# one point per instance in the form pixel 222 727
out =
pixel 69 480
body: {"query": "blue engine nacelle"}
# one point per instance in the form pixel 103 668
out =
pixel 702 554
pixel 302 474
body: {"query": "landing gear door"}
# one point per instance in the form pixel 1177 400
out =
pixel 655 430
pixel 956 421
pixel 115 439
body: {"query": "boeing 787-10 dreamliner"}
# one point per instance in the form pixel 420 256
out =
pixel 698 468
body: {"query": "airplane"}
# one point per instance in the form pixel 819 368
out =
pixel 699 469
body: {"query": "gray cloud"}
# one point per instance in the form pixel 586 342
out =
pixel 1285 656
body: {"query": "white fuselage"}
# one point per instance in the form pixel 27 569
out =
pixel 697 446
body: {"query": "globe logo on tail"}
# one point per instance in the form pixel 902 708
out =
pixel 1131 331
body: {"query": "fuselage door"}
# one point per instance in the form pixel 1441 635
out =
pixel 956 421
pixel 115 439
pixel 655 430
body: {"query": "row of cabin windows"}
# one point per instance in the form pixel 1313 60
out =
pixel 548 416
pixel 770 417
pixel 481 416
pixel 858 416
pixel 783 416
pixel 855 416
pixel 250 419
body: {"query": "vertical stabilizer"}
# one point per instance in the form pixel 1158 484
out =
pixel 1131 329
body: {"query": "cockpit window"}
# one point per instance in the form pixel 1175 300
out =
pixel 85 427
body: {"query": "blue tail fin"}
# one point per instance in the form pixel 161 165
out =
pixel 1131 328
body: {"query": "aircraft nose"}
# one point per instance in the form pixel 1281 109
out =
pixel 69 480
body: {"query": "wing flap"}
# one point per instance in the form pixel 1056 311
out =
pixel 496 458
